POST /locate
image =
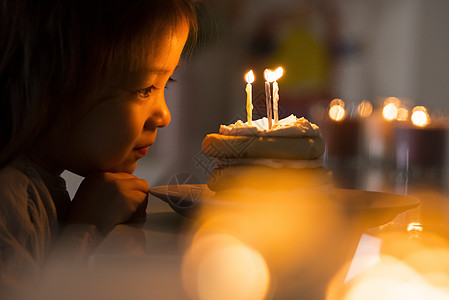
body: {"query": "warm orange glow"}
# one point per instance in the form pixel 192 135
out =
pixel 414 226
pixel 271 76
pixel 411 266
pixel 337 113
pixel 396 101
pixel 365 109
pixel 219 266
pixel 241 230
pixel 402 114
pixel 337 102
pixel 390 110
pixel 393 279
pixel 249 77
pixel 420 117
pixel 278 73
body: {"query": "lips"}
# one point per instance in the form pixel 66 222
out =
pixel 142 146
pixel 141 151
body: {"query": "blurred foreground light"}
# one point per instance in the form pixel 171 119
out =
pixel 366 256
pixel 393 279
pixel 219 266
pixel 286 219
pixel 408 268
pixel 414 226
pixel 420 117
pixel 433 265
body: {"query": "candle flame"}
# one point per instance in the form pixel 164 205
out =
pixel 337 110
pixel 365 109
pixel 272 76
pixel 249 77
pixel 420 117
pixel 278 73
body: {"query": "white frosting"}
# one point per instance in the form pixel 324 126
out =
pixel 288 127
pixel 272 163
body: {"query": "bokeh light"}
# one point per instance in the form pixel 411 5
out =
pixel 365 109
pixel 337 110
pixel 420 117
pixel 219 266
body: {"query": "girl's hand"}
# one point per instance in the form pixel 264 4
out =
pixel 108 199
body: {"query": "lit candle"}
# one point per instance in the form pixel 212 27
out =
pixel 275 102
pixel 249 77
pixel 390 111
pixel 268 97
pixel 365 109
pixel 421 143
pixel 337 110
pixel 420 117
pixel 378 136
pixel 276 75
pixel 341 132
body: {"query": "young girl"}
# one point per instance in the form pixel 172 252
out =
pixel 81 89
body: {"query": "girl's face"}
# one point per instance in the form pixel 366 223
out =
pixel 120 128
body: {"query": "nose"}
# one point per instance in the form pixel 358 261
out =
pixel 159 115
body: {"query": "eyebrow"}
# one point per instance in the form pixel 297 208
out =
pixel 156 70
pixel 139 79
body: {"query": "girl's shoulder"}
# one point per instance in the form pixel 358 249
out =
pixel 18 175
pixel 22 190
pixel 15 179
pixel 28 219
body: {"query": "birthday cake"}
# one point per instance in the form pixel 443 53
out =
pixel 286 156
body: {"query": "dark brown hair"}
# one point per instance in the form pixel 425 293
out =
pixel 54 53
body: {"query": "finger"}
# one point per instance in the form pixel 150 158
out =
pixel 138 198
pixel 140 214
pixel 136 184
pixel 119 175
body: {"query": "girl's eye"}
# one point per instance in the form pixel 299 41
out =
pixel 145 93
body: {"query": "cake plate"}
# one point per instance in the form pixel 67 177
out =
pixel 371 208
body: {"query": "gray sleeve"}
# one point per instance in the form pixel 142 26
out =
pixel 24 236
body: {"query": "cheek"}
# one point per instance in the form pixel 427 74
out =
pixel 118 137
pixel 106 139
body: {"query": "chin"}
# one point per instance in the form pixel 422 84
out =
pixel 125 168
